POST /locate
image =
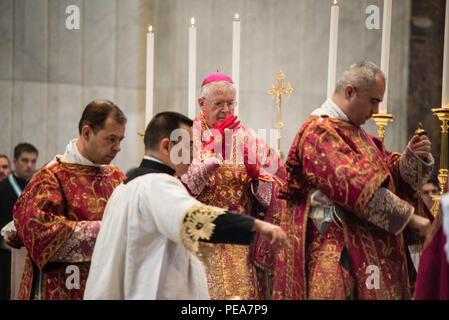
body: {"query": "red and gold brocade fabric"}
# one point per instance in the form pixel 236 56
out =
pixel 232 272
pixel 58 196
pixel 348 166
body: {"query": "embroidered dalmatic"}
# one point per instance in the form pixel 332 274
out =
pixel 148 246
pixel 333 258
pixel 58 218
pixel 232 272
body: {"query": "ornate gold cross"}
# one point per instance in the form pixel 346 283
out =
pixel 278 92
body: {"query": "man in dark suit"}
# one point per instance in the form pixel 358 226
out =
pixel 25 157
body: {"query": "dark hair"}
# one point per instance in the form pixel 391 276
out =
pixel 161 126
pixel 6 157
pixel 96 113
pixel 434 180
pixel 24 147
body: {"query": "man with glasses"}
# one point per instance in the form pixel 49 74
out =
pixel 234 169
pixel 152 239
pixel 25 157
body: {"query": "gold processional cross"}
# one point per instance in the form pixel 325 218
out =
pixel 278 92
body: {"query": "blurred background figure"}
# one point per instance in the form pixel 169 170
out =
pixel 432 187
pixel 5 167
pixel 25 157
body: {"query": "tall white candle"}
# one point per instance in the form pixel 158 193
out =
pixel 192 69
pixel 150 76
pixel 333 46
pixel 385 54
pixel 236 56
pixel 445 88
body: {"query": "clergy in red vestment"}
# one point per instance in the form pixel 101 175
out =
pixel 432 281
pixel 235 169
pixel 59 213
pixel 350 201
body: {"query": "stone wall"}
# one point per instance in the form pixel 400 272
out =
pixel 48 73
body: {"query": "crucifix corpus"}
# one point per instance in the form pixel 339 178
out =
pixel 278 92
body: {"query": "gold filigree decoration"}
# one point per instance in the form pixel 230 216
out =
pixel 198 224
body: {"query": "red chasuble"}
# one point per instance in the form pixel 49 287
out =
pixel 231 272
pixel 348 166
pixel 58 196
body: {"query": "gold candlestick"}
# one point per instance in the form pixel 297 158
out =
pixel 443 115
pixel 382 120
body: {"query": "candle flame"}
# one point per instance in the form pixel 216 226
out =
pixel 335 2
pixel 150 28
pixel 236 16
pixel 192 21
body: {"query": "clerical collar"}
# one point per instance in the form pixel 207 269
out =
pixel 156 165
pixel 152 158
pixel 150 165
pixel 73 155
pixel 331 109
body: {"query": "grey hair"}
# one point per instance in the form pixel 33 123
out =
pixel 361 75
pixel 220 85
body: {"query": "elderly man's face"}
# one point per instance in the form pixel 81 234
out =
pixel 5 169
pixel 219 104
pixel 366 103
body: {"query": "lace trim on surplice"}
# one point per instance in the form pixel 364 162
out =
pixel 198 224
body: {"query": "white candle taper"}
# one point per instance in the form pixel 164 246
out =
pixel 236 56
pixel 149 77
pixel 445 87
pixel 385 54
pixel 333 46
pixel 192 69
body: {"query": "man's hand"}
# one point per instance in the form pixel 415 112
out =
pixel 251 163
pixel 229 123
pixel 270 232
pixel 420 224
pixel 420 145
pixel 14 241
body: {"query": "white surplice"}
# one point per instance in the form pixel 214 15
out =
pixel 139 253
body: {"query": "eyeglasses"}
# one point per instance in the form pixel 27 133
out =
pixel 426 192
pixel 221 104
